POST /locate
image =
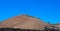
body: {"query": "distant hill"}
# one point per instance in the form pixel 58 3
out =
pixel 57 25
pixel 24 22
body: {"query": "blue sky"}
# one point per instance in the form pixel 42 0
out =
pixel 47 10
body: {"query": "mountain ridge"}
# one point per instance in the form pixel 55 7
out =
pixel 24 22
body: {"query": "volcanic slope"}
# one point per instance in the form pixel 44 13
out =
pixel 24 22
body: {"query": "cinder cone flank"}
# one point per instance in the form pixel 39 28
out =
pixel 24 22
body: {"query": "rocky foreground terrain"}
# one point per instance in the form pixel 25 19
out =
pixel 29 23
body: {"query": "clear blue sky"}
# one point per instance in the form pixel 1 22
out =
pixel 47 10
